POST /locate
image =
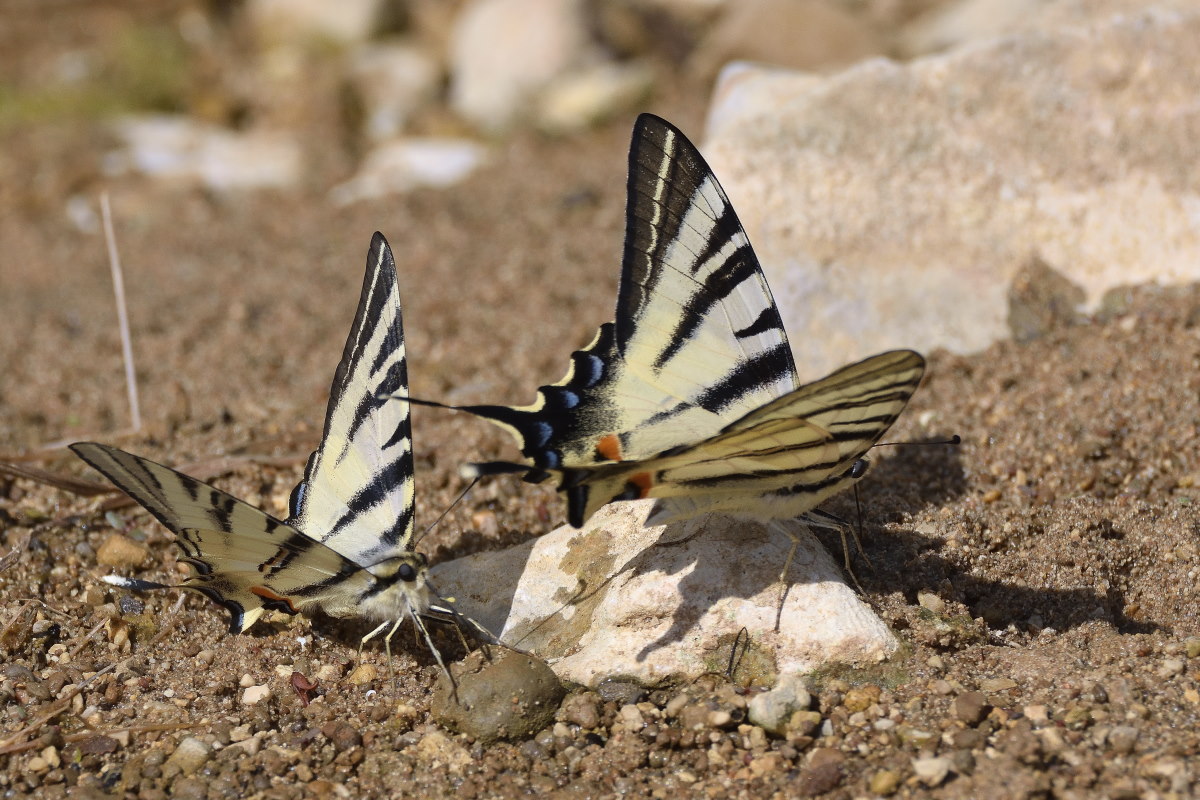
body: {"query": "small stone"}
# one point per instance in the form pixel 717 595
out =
pixel 253 695
pixel 1170 667
pixel 246 681
pixel 583 710
pixel 771 710
pixel 1077 717
pixel 932 771
pixel 205 658
pixel 510 696
pixel 931 602
pixel 620 692
pixel 1191 646
pixel 804 723
pixel 963 761
pixel 436 748
pixel 861 698
pixel 719 719
pixel 362 675
pixel 190 754
pixel 823 773
pixel 885 782
pixel 122 552
pixel 767 764
pixel 239 733
pixel 914 736
pixel 997 685
pixel 693 717
pixel 631 718
pixel 1122 739
pixel 1036 713
pixel 327 673
pixel 342 734
pixel 51 756
pixel 970 708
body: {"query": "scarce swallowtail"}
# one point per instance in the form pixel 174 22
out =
pixel 346 547
pixel 690 395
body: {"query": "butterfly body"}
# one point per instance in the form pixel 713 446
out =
pixel 346 548
pixel 690 395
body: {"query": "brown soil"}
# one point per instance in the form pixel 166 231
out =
pixel 1051 563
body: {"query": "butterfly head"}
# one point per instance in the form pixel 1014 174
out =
pixel 399 587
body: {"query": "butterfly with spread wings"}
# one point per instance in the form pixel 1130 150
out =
pixel 690 395
pixel 346 547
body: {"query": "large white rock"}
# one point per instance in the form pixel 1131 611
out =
pixel 182 150
pixel 503 52
pixel 406 164
pixel 618 598
pixel 892 204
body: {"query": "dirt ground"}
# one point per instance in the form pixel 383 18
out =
pixel 1042 576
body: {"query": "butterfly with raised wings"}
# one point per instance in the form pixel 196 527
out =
pixel 690 395
pixel 347 545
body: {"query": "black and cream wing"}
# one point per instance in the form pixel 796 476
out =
pixel 242 558
pixel 357 495
pixel 696 339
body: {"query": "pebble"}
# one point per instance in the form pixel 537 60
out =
pixel 823 773
pixel 766 765
pixel 246 681
pixel 510 696
pixel 1036 713
pixel 932 771
pixel 885 782
pixel 122 552
pixel 620 692
pixel 1122 739
pixel 631 718
pixel 997 684
pixel 931 602
pixel 436 748
pixel 253 695
pixel 970 707
pixel 362 675
pixel 343 735
pixel 583 710
pixel 772 710
pixel 1170 667
pixel 1191 646
pixel 861 698
pixel 190 754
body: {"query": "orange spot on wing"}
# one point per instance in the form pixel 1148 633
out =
pixel 609 447
pixel 267 594
pixel 644 481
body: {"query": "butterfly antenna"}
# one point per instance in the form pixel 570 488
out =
pixel 449 508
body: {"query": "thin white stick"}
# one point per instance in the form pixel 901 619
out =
pixel 114 261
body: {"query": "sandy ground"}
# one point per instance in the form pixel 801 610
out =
pixel 1043 576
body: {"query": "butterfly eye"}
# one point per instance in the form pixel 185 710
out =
pixel 859 468
pixel 407 572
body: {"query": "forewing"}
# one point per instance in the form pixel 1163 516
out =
pixel 243 558
pixel 697 340
pixel 357 493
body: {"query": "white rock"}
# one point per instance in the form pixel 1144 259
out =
pixel 892 205
pixel 503 52
pixel 407 164
pixel 176 148
pixel 664 602
pixel 772 709
pixel 190 754
pixel 584 98
pixel 301 22
pixel 253 695
pixel 392 81
pixel 932 771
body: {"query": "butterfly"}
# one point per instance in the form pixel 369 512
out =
pixel 346 547
pixel 690 395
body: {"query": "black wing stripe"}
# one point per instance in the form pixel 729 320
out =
pixel 747 375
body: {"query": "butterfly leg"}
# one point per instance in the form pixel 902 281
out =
pixel 784 586
pixel 362 642
pixel 433 649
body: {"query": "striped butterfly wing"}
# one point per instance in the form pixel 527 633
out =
pixel 697 340
pixel 351 521
pixel 243 558
pixel 778 461
pixel 357 495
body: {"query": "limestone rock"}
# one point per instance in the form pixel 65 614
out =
pixel 406 164
pixel 503 52
pixel 892 205
pixel 618 598
pixel 176 148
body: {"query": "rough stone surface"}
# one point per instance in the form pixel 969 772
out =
pixel 509 696
pixel 892 205
pixel 504 51
pixel 771 710
pixel 405 164
pixel 190 754
pixel 122 552
pixel 618 598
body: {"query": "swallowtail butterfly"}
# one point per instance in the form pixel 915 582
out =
pixel 690 395
pixel 346 547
